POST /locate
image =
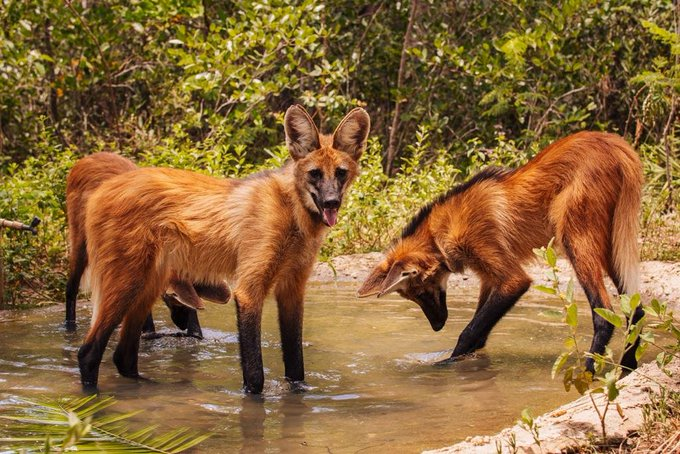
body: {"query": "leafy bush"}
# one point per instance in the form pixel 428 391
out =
pixel 203 85
pixel 34 266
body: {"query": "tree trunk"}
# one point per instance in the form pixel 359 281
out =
pixel 392 140
pixel 669 128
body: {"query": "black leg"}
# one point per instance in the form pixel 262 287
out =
pixel 250 347
pixel 628 360
pixel 477 331
pixel 602 332
pixel 589 274
pixel 178 312
pixel 193 326
pixel 90 357
pixel 149 326
pixel 290 324
pixel 78 266
pixel 127 352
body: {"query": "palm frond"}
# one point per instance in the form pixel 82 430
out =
pixel 57 424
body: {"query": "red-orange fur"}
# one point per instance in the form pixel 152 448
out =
pixel 583 190
pixel 86 176
pixel 263 232
pixel 83 179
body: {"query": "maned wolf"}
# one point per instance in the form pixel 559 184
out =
pixel 263 232
pixel 584 190
pixel 86 176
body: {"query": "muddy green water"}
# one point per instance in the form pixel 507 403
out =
pixel 369 368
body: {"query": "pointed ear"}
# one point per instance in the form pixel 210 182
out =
pixel 381 282
pixel 302 137
pixel 396 279
pixel 373 282
pixel 444 256
pixel 351 134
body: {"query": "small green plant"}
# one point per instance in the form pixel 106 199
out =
pixel 528 423
pixel 657 319
pixel 76 424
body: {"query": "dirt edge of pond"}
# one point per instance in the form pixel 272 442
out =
pixel 659 280
pixel 574 424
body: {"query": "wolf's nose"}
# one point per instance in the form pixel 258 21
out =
pixel 331 204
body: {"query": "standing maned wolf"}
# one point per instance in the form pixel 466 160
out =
pixel 263 232
pixel 83 179
pixel 584 190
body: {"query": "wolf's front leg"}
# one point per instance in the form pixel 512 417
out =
pixel 249 315
pixel 290 300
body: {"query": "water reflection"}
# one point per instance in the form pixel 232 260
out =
pixel 371 380
pixel 251 419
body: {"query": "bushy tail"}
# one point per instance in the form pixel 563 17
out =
pixel 626 226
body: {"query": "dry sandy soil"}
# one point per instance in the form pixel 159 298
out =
pixel 573 424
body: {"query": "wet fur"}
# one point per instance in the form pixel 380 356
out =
pixel 262 232
pixel 583 190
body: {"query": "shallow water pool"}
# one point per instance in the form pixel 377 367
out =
pixel 372 385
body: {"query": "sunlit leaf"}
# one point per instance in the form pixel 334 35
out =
pixel 569 296
pixel 64 422
pixel 610 316
pixel 640 350
pixel 572 315
pixel 559 363
pixel 544 289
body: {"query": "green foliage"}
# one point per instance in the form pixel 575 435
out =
pixel 529 424
pixel 78 424
pixel 34 265
pixel 203 85
pixel 657 319
pixel 130 72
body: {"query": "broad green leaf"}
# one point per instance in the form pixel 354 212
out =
pixel 551 257
pixel 640 350
pixel 625 305
pixel 633 335
pixel 559 363
pixel 572 315
pixel 634 302
pixel 567 378
pixel 544 289
pixel 612 390
pixel 570 291
pixel 610 316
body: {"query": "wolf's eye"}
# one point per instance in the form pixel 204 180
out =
pixel 315 174
pixel 341 173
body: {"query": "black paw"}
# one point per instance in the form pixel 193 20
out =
pixel 299 387
pixel 454 359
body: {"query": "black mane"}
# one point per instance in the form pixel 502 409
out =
pixel 490 173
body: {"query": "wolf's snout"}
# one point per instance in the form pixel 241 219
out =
pixel 332 204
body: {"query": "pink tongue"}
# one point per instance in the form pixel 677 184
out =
pixel 330 215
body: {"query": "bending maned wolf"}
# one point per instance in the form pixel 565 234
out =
pixel 584 190
pixel 263 232
pixel 83 179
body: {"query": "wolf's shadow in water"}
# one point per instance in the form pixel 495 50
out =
pixel 290 412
